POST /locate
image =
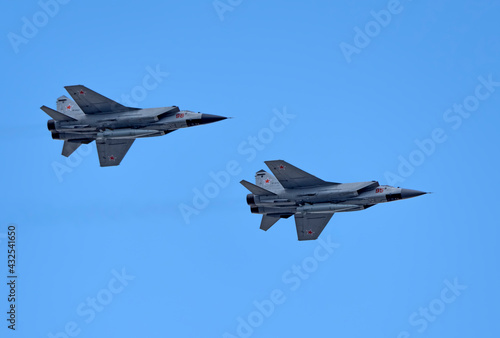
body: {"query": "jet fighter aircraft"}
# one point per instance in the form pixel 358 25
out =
pixel 293 192
pixel 113 126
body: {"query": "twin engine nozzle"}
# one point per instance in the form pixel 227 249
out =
pixel 51 125
pixel 252 199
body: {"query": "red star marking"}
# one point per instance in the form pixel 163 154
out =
pixel 68 107
pixel 282 166
pixel 267 181
pixel 310 232
pixel 82 92
pixel 112 158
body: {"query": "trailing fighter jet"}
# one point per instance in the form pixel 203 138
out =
pixel 293 192
pixel 113 126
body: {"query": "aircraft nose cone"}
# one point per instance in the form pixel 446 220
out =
pixel 409 193
pixel 209 118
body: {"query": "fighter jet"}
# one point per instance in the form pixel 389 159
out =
pixel 293 192
pixel 113 126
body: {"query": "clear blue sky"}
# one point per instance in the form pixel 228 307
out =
pixel 411 100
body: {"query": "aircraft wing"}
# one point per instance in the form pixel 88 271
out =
pixel 112 151
pixel 91 102
pixel 309 226
pixel 292 177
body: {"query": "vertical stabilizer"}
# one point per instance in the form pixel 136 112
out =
pixel 68 106
pixel 267 181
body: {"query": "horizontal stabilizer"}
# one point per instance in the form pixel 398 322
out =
pixel 58 116
pixel 268 221
pixel 70 147
pixel 255 189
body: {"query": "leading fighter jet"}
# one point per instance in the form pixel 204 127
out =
pixel 293 192
pixel 113 126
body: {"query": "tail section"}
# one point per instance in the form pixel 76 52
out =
pixel 68 106
pixel 255 189
pixel 56 115
pixel 267 181
pixel 70 147
pixel 268 221
pixel 67 110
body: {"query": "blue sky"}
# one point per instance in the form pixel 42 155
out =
pixel 411 100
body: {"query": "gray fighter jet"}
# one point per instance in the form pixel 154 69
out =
pixel 293 192
pixel 113 126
